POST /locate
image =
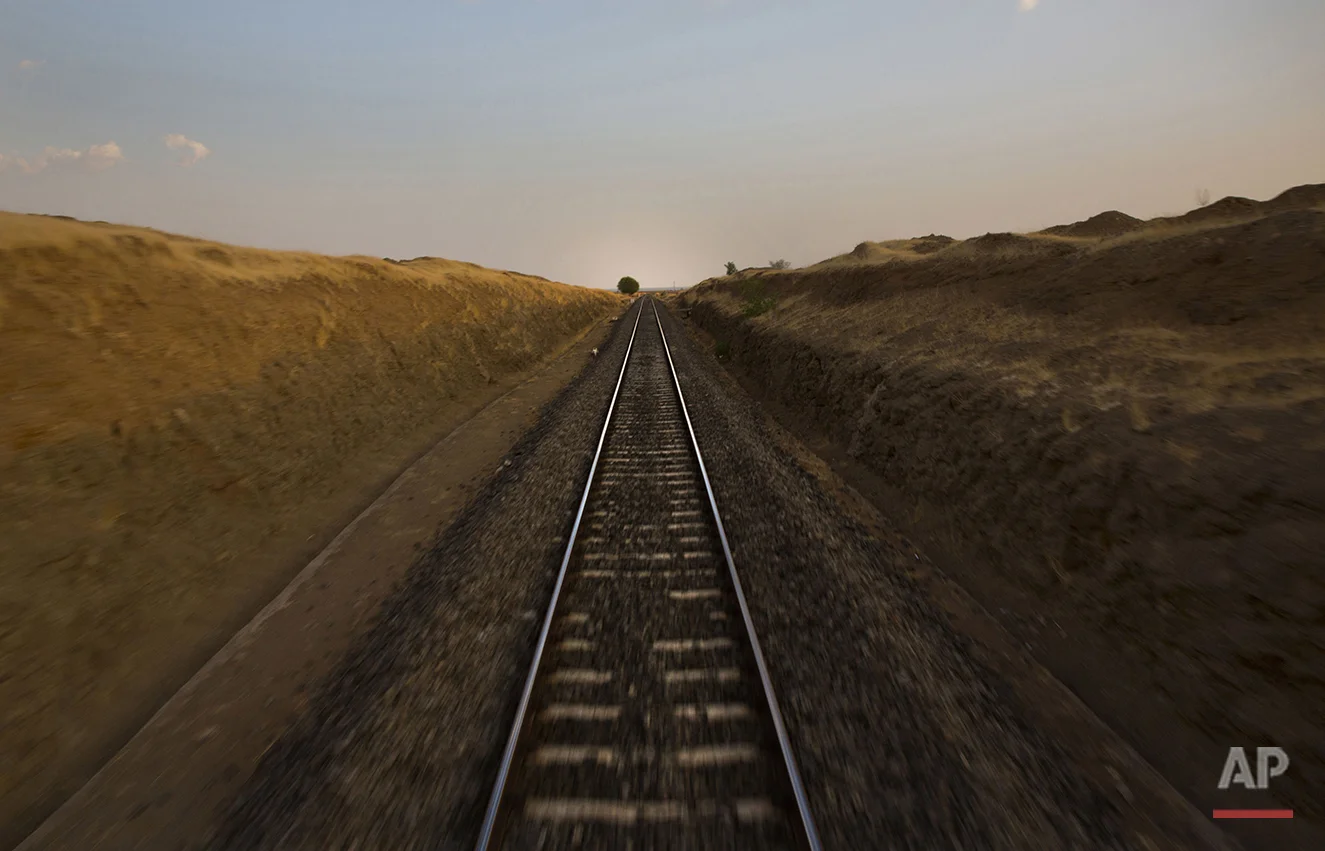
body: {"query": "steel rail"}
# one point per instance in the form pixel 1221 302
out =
pixel 494 802
pixel 798 787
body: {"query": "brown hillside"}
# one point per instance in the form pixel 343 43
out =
pixel 1111 223
pixel 1225 209
pixel 896 249
pixel 179 418
pixel 1104 226
pixel 1298 198
pixel 1119 443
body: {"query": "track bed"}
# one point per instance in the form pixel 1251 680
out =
pixel 648 721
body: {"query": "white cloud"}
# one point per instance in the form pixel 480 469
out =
pixel 101 157
pixel 95 158
pixel 194 152
pixel 1027 5
pixel 52 156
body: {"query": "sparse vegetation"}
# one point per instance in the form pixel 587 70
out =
pixel 779 264
pixel 628 285
pixel 731 268
pixel 756 302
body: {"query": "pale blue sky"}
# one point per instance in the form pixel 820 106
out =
pixel 587 140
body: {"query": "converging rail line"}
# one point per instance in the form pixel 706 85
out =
pixel 648 719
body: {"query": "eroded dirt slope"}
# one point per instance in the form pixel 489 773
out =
pixel 1119 440
pixel 182 424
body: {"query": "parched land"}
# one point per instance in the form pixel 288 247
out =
pixel 182 424
pixel 1114 430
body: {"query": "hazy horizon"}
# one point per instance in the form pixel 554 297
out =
pixel 585 141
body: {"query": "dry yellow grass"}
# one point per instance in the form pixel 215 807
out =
pixel 870 253
pixel 938 306
pixel 1119 432
pixel 955 328
pixel 110 323
pixel 178 416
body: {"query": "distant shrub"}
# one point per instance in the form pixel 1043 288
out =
pixel 628 285
pixel 731 268
pixel 758 306
pixel 756 302
pixel 779 264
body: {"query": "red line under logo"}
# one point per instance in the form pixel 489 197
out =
pixel 1253 813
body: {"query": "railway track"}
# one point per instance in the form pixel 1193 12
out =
pixel 648 719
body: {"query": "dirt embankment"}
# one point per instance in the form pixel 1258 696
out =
pixel 1121 444
pixel 182 425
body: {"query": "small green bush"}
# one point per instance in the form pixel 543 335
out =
pixel 628 285
pixel 731 268
pixel 758 306
pixel 752 288
pixel 756 302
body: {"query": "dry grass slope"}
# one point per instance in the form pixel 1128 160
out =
pixel 178 417
pixel 1120 432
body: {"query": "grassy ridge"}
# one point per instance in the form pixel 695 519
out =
pixel 178 417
